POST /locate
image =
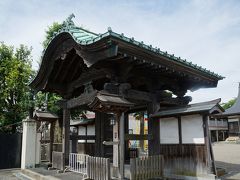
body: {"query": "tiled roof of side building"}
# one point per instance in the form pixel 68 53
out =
pixel 85 37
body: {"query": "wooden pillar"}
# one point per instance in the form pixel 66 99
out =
pixel 65 135
pixel 180 133
pixel 206 139
pixel 52 125
pixel 217 135
pixel 126 124
pixel 154 129
pixel 142 131
pixel 208 145
pixel 115 148
pixel 99 132
pixel 122 145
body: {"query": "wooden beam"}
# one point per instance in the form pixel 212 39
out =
pixel 87 77
pixel 165 61
pixel 59 69
pixel 67 67
pixel 138 137
pixel 176 101
pixel 82 137
pixel 61 88
pixel 138 95
pixel 83 99
pixel 94 55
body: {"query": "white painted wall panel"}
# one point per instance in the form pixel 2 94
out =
pixel 81 131
pixel 169 131
pixel 90 131
pixel 192 129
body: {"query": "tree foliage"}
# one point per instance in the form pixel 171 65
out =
pixel 229 104
pixel 47 101
pixel 15 75
pixel 51 30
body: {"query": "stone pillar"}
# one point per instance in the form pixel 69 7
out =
pixel 38 148
pixel 29 144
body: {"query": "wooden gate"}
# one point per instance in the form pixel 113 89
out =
pixel 10 150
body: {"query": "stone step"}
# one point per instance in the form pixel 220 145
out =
pixel 22 176
pixel 37 176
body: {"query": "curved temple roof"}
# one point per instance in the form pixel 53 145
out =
pixel 86 38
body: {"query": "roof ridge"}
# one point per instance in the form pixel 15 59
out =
pixel 69 26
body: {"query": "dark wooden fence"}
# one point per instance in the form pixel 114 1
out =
pixel 186 159
pixel 10 150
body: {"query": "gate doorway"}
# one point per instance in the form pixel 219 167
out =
pixel 10 150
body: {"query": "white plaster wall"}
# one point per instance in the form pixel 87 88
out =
pixel 169 131
pixel 91 131
pixel 192 129
pixel 81 131
pixel 233 120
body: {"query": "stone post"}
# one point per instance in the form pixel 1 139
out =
pixel 38 148
pixel 29 144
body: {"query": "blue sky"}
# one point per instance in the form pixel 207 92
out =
pixel 205 32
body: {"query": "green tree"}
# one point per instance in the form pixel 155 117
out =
pixel 51 30
pixel 15 75
pixel 229 104
pixel 47 101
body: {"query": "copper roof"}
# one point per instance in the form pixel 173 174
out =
pixel 189 109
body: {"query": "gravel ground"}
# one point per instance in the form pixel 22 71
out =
pixel 227 156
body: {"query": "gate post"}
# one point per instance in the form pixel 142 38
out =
pixel 29 144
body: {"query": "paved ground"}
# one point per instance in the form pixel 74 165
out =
pixel 227 156
pixel 63 176
pixel 8 174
